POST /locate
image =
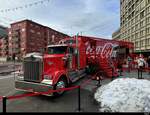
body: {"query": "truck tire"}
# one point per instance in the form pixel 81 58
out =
pixel 62 83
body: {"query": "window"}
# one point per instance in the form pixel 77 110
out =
pixel 32 31
pixel 141 24
pixel 148 30
pixel 136 35
pixel 133 28
pixel 143 43
pixel 132 14
pixel 142 33
pixel 23 29
pixel 148 1
pixel 148 20
pixel 38 33
pixel 142 5
pixel 148 10
pixel 53 37
pixel 31 25
pixel 133 21
pixel 136 44
pixel 129 23
pixel 146 42
pixel 57 50
pixel 142 14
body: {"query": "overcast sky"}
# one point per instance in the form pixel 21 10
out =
pixel 99 18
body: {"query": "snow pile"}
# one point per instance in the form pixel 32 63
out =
pixel 124 95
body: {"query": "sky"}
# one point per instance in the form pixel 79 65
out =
pixel 98 18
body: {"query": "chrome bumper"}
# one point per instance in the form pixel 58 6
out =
pixel 33 87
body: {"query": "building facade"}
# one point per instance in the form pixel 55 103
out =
pixel 27 36
pixel 3 41
pixel 116 35
pixel 135 23
pixel 3 31
pixel 4 47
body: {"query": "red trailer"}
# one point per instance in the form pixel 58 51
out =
pixel 70 60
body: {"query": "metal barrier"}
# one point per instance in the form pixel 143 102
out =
pixel 5 98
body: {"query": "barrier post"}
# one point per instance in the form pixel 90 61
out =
pixel 138 72
pixel 141 73
pixel 4 104
pixel 112 74
pixel 79 100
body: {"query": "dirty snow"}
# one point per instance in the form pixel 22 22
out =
pixel 124 95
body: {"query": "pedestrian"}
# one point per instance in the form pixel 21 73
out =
pixel 129 59
pixel 148 62
pixel 141 64
pixel 120 68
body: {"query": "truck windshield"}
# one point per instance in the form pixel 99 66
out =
pixel 57 50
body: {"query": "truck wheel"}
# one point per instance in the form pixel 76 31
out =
pixel 62 83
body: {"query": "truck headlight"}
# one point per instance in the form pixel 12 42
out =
pixel 47 80
pixel 48 77
pixel 19 77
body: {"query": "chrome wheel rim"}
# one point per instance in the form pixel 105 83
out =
pixel 59 85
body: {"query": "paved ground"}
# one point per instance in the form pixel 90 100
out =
pixel 134 74
pixel 66 103
pixel 9 67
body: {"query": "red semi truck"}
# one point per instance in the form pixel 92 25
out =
pixel 70 60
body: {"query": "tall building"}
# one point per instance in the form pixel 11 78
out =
pixel 135 23
pixel 116 35
pixel 27 36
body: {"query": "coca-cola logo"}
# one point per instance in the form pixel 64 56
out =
pixel 107 50
pixel 104 50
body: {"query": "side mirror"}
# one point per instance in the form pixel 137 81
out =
pixel 64 58
pixel 76 51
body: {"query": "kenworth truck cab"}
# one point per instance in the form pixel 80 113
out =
pixel 60 65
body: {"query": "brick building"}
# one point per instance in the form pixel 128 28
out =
pixel 4 47
pixel 3 41
pixel 27 36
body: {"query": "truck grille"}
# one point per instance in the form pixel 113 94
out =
pixel 33 70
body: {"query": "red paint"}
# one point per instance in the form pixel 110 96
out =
pixel 97 51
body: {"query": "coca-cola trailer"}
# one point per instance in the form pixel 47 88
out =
pixel 70 60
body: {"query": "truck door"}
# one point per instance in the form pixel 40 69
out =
pixel 71 59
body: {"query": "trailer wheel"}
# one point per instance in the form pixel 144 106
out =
pixel 92 69
pixel 62 83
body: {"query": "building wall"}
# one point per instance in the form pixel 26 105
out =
pixel 135 23
pixel 27 36
pixel 116 35
pixel 3 31
pixel 3 41
pixel 4 47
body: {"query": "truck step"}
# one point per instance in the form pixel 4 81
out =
pixel 77 75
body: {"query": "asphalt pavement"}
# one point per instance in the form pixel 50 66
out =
pixel 9 67
pixel 66 103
